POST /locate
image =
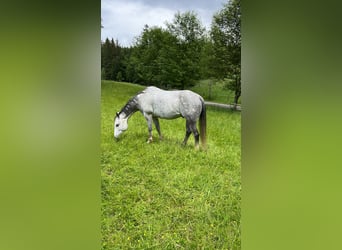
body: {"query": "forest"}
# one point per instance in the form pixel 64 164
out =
pixel 178 56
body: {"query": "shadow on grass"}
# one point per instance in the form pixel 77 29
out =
pixel 138 137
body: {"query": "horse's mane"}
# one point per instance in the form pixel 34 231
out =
pixel 131 105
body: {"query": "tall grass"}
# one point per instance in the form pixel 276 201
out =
pixel 165 196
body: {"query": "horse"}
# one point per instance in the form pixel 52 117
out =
pixel 156 103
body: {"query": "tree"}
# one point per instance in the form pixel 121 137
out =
pixel 155 58
pixel 206 59
pixel 106 59
pixel 226 36
pixel 112 55
pixel 189 33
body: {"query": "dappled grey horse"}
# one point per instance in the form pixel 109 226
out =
pixel 156 103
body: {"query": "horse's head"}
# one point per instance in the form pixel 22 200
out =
pixel 120 125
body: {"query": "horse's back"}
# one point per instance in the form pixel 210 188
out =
pixel 172 103
pixel 184 94
pixel 159 103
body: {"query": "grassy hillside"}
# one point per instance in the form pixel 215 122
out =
pixel 165 196
pixel 214 91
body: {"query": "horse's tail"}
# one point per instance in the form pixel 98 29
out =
pixel 203 125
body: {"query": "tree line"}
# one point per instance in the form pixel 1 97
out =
pixel 180 54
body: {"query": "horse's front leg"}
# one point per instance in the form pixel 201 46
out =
pixel 156 123
pixel 148 118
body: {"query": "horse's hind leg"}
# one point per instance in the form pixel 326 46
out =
pixel 156 123
pixel 195 132
pixel 187 133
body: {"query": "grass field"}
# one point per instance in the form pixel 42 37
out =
pixel 165 196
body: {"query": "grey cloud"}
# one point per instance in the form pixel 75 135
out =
pixel 125 19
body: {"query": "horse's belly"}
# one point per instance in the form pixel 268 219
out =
pixel 166 114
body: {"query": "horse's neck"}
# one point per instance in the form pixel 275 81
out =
pixel 127 115
pixel 130 108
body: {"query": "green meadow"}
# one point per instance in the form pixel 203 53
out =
pixel 163 195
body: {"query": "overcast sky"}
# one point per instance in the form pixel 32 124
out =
pixel 125 19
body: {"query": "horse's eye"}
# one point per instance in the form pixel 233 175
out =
pixel 117 125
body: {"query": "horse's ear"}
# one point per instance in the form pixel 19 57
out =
pixel 117 114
